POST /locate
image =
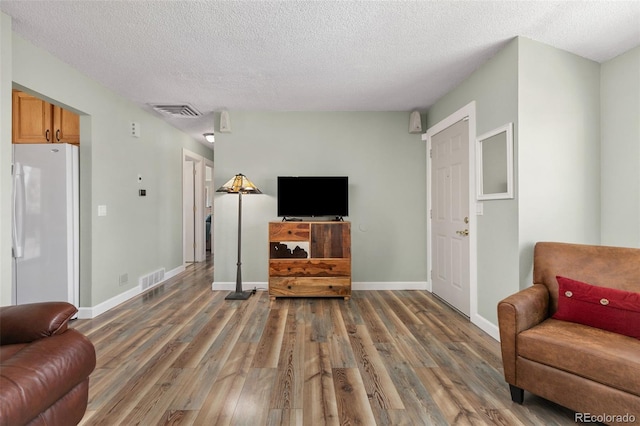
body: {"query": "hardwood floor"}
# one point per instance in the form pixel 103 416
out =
pixel 181 354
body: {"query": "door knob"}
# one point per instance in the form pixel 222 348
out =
pixel 463 233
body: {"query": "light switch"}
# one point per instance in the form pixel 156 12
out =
pixel 102 210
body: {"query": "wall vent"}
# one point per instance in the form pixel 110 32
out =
pixel 177 110
pixel 151 279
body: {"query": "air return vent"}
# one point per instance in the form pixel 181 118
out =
pixel 152 279
pixel 177 110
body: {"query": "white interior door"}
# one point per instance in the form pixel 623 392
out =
pixel 194 211
pixel 189 211
pixel 450 215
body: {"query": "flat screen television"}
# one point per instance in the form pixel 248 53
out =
pixel 313 196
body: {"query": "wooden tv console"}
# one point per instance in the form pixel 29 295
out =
pixel 309 259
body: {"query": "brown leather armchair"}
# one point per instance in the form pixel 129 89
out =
pixel 586 369
pixel 44 366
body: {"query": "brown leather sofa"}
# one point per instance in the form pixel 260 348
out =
pixel 586 369
pixel 44 366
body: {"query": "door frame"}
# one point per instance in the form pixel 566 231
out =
pixel 466 112
pixel 210 185
pixel 199 183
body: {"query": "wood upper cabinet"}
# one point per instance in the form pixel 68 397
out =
pixel 31 119
pixel 38 121
pixel 66 126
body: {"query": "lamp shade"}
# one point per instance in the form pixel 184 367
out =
pixel 239 184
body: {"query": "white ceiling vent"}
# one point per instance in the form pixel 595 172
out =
pixel 177 110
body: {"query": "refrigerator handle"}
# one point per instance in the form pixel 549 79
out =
pixel 18 211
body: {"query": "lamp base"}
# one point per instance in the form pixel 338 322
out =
pixel 239 295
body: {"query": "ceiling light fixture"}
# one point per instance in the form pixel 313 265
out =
pixel 210 137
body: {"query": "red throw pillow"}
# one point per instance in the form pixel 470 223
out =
pixel 601 307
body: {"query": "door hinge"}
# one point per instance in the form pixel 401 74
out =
pixel 430 214
pixel 431 153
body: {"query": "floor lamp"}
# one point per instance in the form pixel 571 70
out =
pixel 239 184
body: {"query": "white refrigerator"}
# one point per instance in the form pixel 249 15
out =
pixel 45 223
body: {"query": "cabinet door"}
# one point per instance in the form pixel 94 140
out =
pixel 31 119
pixel 331 240
pixel 66 126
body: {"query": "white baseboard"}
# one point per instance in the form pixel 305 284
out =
pixel 369 285
pixel 389 285
pixel 487 326
pixel 231 285
pixel 94 311
pixel 172 273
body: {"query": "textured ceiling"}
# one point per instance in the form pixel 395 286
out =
pixel 306 55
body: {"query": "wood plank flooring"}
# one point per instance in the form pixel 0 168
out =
pixel 181 354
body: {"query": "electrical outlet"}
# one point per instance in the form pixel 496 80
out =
pixel 123 279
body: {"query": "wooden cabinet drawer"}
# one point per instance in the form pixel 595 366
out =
pixel 289 231
pixel 309 287
pixel 310 267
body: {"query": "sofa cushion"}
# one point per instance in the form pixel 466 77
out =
pixel 602 307
pixel 605 357
pixel 7 351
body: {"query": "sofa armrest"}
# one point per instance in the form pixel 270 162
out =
pixel 33 321
pixel 41 373
pixel 517 313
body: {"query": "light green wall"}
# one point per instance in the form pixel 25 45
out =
pixel 386 169
pixel 139 234
pixel 552 97
pixel 559 149
pixel 494 87
pixel 620 150
pixel 5 159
